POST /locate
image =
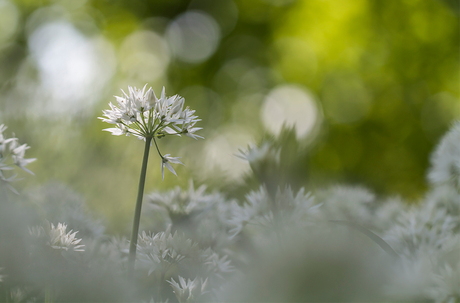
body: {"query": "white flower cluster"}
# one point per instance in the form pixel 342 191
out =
pixel 164 251
pixel 446 160
pixel 203 217
pixel 58 238
pixel 259 211
pixel 190 290
pixel 12 154
pixel 144 115
pixel 147 117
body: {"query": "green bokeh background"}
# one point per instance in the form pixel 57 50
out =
pixel 384 76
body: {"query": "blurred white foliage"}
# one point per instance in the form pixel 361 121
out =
pixel 205 218
pixel 59 203
pixel 188 290
pixel 348 203
pixel 259 211
pixel 447 284
pixel 163 250
pixel 206 246
pixel 445 160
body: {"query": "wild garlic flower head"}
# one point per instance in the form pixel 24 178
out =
pixel 142 114
pixel 12 154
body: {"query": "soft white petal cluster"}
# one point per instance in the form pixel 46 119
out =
pixel 161 250
pixel 445 160
pixel 190 290
pixel 203 217
pixel 61 239
pixel 58 238
pixel 12 154
pixel 260 210
pixel 142 114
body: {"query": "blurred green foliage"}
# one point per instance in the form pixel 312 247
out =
pixel 384 76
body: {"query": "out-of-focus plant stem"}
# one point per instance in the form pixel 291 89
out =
pixel 137 212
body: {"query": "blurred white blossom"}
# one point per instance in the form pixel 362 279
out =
pixel 58 237
pixel 164 251
pixel 188 290
pixel 203 217
pixel 445 161
pixel 259 211
pixel 12 154
pixel 447 284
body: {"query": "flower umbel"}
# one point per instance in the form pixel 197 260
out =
pixel 142 114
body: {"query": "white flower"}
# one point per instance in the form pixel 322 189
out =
pixel 445 161
pixel 188 291
pixel 165 162
pixel 144 115
pixel 11 153
pixel 58 237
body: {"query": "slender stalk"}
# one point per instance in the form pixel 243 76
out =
pixel 156 145
pixel 137 212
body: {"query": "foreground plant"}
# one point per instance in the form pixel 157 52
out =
pixel 148 118
pixel 12 154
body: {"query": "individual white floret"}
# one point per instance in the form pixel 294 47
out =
pixel 166 160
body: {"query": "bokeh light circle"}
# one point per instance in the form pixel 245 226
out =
pixel 291 105
pixel 193 36
pixel 72 68
pixel 144 55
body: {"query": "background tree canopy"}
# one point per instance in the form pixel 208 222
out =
pixel 369 85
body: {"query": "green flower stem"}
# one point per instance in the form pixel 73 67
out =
pixel 157 147
pixel 137 212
